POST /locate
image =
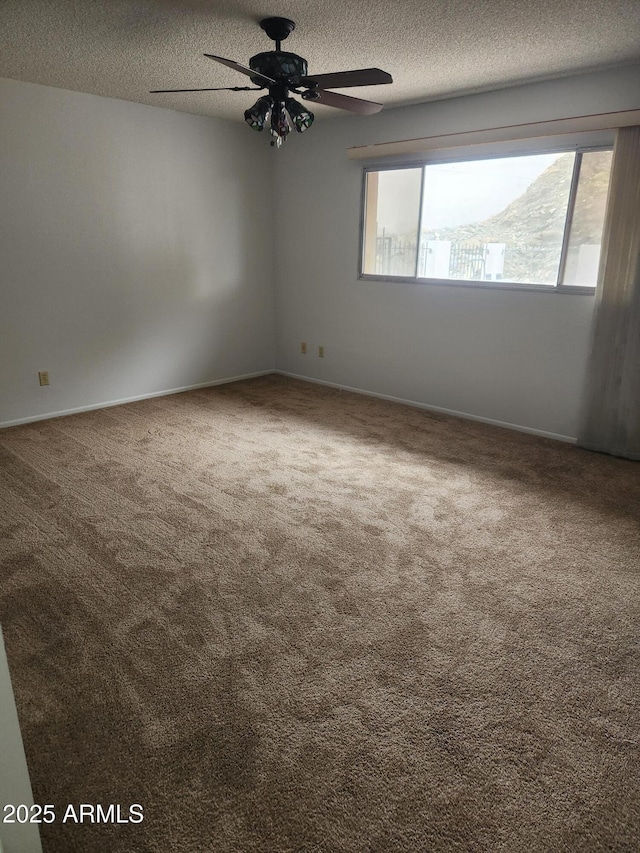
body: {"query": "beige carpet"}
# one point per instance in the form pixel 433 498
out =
pixel 288 618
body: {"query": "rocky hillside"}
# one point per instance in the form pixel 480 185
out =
pixel 533 224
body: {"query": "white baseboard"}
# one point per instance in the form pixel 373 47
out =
pixel 339 386
pixel 109 403
pixel 517 427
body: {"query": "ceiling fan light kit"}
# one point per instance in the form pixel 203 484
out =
pixel 301 117
pixel 281 73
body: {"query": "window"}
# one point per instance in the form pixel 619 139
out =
pixel 533 219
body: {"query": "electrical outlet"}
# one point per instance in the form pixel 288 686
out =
pixel 320 352
pixel 43 376
pixel 303 348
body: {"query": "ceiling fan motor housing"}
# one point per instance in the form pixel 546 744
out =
pixel 279 65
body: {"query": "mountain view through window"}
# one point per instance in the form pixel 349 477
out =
pixel 534 219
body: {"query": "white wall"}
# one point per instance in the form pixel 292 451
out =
pixel 510 356
pixel 15 787
pixel 135 247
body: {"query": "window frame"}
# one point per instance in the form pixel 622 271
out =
pixel 457 157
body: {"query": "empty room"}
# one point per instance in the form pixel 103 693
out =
pixel 319 426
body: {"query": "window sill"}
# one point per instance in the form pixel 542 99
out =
pixel 484 285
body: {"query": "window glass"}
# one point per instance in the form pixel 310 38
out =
pixel 493 220
pixel 392 208
pixel 585 236
pixel 524 219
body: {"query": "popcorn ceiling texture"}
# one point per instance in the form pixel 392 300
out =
pixel 289 619
pixel 123 49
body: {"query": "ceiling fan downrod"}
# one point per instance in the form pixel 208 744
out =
pixel 278 29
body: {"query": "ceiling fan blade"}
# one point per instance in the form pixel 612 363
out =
pixel 219 89
pixel 267 81
pixel 344 102
pixel 343 79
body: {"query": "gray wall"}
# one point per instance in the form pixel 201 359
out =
pixel 136 250
pixel 508 356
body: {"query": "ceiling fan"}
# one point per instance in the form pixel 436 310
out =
pixel 282 73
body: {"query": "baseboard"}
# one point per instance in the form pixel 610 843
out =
pixel 517 427
pixel 439 409
pixel 109 403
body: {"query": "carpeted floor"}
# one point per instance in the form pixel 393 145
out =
pixel 286 618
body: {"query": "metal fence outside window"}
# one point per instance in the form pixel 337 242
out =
pixel 466 261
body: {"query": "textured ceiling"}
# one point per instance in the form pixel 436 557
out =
pixel 434 49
